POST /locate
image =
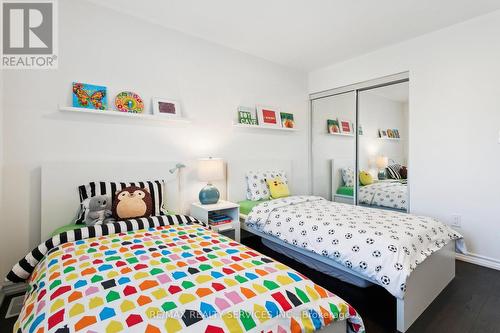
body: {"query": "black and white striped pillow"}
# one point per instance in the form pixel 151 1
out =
pixel 393 171
pixel 155 187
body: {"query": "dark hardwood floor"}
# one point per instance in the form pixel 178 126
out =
pixel 470 304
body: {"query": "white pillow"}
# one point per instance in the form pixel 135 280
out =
pixel 348 176
pixel 257 188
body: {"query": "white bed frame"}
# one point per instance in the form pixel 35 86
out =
pixel 424 284
pixel 60 181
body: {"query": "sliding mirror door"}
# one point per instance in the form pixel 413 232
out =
pixel 333 147
pixel 383 147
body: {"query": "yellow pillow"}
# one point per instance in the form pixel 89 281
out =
pixel 278 188
pixel 365 178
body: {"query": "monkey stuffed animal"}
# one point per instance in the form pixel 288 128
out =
pixel 132 202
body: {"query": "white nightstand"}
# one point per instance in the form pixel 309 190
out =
pixel 347 199
pixel 200 212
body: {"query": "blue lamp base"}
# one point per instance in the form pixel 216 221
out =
pixel 209 195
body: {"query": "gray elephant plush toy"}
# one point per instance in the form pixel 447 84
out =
pixel 99 210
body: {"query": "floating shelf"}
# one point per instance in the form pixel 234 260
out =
pixel 390 139
pixel 112 113
pixel 264 127
pixel 339 134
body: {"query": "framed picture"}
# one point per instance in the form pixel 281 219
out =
pixel 382 133
pixel 89 96
pixel 390 133
pixel 396 133
pixel 268 117
pixel 247 116
pixel 287 120
pixel 333 126
pixel 346 127
pixel 129 101
pixel 166 108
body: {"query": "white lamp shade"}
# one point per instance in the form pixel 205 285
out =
pixel 382 162
pixel 210 169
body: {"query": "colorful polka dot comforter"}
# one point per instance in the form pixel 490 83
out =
pixel 173 278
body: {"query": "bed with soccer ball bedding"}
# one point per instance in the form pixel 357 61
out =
pixel 167 274
pixel 382 246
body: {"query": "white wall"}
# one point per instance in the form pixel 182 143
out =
pixel 454 116
pixel 100 46
pixel 377 112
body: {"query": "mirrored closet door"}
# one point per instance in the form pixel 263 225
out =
pixel 334 147
pixel 383 147
pixel 359 144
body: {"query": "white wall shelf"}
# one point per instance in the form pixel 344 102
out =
pixel 339 134
pixel 118 114
pixel 390 139
pixel 264 127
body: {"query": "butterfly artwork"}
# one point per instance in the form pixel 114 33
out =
pixel 89 96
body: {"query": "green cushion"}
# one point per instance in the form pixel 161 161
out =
pixel 68 227
pixel 247 205
pixel 346 190
pixel 73 226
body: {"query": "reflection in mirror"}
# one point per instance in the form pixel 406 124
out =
pixel 333 147
pixel 383 147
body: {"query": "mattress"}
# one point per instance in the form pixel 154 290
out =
pixel 330 268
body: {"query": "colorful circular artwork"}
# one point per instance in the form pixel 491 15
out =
pixel 128 101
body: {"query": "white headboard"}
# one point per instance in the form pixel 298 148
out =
pixel 236 170
pixel 60 181
pixel 336 166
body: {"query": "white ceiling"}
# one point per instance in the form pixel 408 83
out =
pixel 304 34
pixel 395 92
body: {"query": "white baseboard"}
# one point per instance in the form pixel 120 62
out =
pixel 479 260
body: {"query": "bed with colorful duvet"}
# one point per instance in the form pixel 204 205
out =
pixel 167 274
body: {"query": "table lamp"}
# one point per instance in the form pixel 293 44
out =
pixel 381 162
pixel 209 170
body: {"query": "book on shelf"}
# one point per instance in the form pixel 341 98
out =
pixel 219 222
pixel 217 219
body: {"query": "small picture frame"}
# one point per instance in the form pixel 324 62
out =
pixel 247 116
pixel 390 133
pixel 333 126
pixel 268 116
pixel 396 133
pixel 89 96
pixel 287 120
pixel 382 134
pixel 166 108
pixel 346 127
